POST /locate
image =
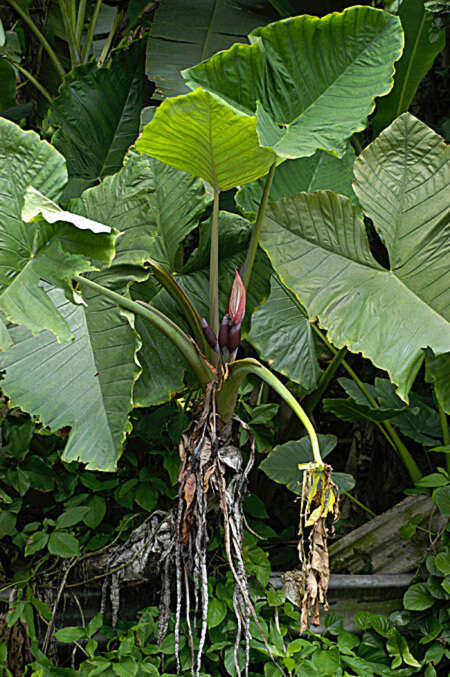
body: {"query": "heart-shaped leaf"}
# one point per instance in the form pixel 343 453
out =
pixel 198 133
pixel 318 245
pixel 311 81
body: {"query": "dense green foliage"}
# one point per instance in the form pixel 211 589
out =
pixel 122 228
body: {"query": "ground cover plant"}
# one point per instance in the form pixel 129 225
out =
pixel 134 259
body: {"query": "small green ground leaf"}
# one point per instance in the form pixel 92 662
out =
pixel 93 376
pixel 199 134
pixel 282 334
pixel 217 610
pixel 418 597
pixel 97 115
pixel 63 544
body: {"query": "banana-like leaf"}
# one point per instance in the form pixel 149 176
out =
pixel 97 115
pixel 318 245
pixel 199 134
pixel 85 384
pixel 282 334
pixel 311 82
pixel 184 34
pixel 322 171
pixel 421 48
pixel 31 252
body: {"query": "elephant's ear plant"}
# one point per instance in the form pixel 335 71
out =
pixel 258 105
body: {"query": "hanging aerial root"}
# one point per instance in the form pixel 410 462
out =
pixel 211 464
pixel 319 510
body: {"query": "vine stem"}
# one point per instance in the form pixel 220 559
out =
pixel 32 26
pixel 256 232
pixel 30 77
pixel 165 325
pixel 214 267
pixel 386 428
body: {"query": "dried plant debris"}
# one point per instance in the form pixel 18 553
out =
pixel 319 510
pixel 131 562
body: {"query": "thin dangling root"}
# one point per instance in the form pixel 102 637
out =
pixel 211 463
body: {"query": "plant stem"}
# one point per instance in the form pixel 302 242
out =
pixel 183 302
pixel 310 402
pixel 28 75
pixel 109 39
pixel 256 232
pixel 226 396
pixel 386 428
pixel 32 26
pixel 90 32
pixel 445 431
pixel 69 30
pixel 176 335
pixel 359 504
pixel 214 268
pixel 80 23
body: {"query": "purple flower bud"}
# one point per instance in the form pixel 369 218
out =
pixel 234 337
pixel 209 334
pixel 223 331
pixel 236 303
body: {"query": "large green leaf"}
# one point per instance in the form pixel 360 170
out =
pixel 122 201
pixel 174 210
pixel 282 334
pixel 318 245
pixel 201 135
pixel 322 171
pixel 183 34
pixel 85 384
pixel 421 48
pixel 311 82
pixel 97 116
pixel 102 361
pixel 31 252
